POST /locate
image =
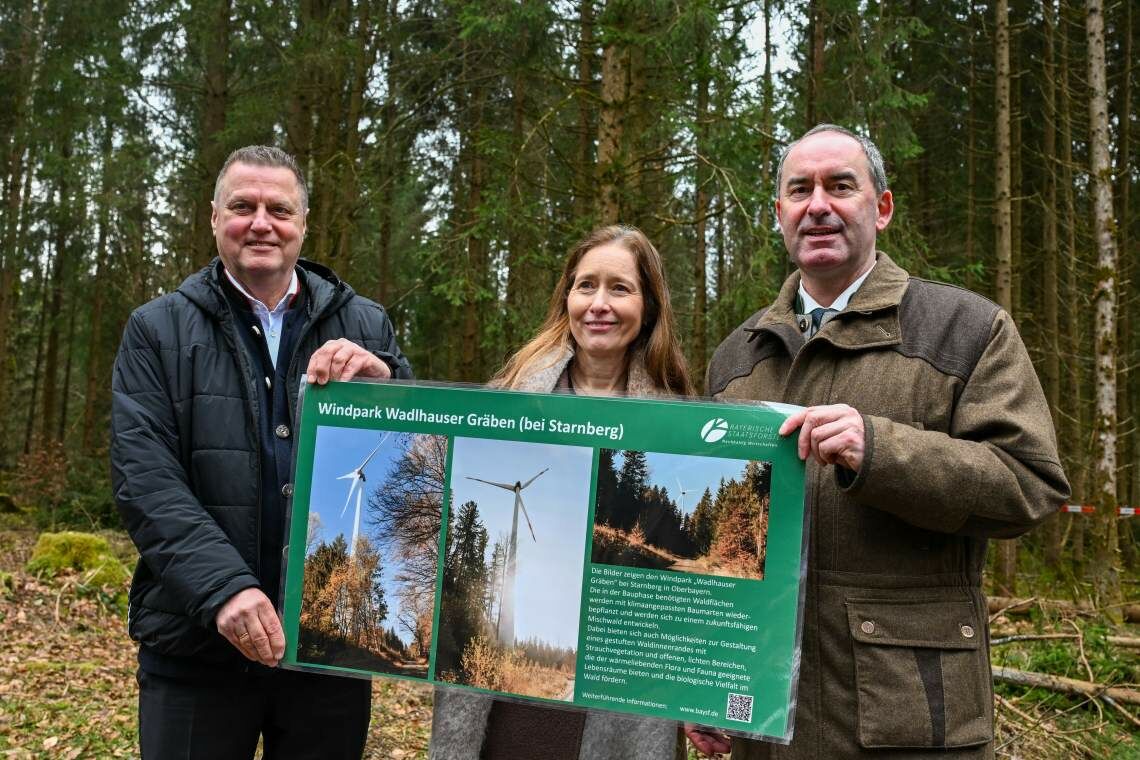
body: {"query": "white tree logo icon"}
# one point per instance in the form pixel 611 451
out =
pixel 714 430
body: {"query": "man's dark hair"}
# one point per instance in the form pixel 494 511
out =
pixel 263 155
pixel 874 157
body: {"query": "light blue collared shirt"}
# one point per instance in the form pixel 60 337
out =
pixel 270 319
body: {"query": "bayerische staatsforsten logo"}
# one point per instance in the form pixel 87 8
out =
pixel 714 430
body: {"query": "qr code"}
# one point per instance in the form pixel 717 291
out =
pixel 740 708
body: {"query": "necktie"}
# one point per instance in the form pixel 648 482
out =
pixel 817 319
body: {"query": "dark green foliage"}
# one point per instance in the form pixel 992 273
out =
pixel 606 488
pixel 463 607
pixel 456 150
pixel 702 526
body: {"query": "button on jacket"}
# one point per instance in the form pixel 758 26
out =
pixel 959 448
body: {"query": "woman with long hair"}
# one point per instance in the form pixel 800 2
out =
pixel 609 324
pixel 609 330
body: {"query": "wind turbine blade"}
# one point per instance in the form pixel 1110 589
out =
pixel 368 458
pixel 524 485
pixel 351 488
pixel 519 503
pixel 347 476
pixel 504 486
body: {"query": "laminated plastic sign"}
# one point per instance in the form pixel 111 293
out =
pixel 639 556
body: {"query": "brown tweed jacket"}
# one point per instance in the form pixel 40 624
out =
pixel 959 448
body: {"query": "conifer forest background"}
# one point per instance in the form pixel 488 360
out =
pixel 456 149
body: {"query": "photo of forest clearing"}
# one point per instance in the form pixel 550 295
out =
pixel 371 556
pixel 512 571
pixel 715 522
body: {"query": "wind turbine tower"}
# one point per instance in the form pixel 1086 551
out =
pixel 506 624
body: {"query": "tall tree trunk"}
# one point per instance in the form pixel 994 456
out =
pixel 29 429
pixel 65 390
pixel 388 158
pixel 768 193
pixel 470 353
pixel 612 149
pixel 1005 568
pixel 96 384
pixel 63 229
pixel 329 170
pixel 364 58
pixel 24 60
pixel 1051 282
pixel 584 166
pixel 815 63
pixel 299 111
pixel 1017 305
pixel 1105 564
pixel 1074 437
pixel 699 348
pixel 523 284
pixel 971 155
pixel 214 49
pixel 1127 379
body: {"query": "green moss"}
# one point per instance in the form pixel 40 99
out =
pixel 85 553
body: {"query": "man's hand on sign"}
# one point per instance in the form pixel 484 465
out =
pixel 249 622
pixel 342 359
pixel 829 434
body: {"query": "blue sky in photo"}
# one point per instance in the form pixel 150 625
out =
pixel 338 452
pixel 549 581
pixel 694 473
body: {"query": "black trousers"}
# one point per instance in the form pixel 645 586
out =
pixel 300 715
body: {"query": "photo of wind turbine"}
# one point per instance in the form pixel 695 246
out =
pixel 641 521
pixel 365 604
pixel 511 598
pixel 505 624
pixel 357 486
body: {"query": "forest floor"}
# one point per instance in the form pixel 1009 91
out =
pixel 613 546
pixel 67 675
pixel 67 687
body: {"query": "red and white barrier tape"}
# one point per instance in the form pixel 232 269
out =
pixel 1088 509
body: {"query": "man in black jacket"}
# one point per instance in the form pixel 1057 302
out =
pixel 204 390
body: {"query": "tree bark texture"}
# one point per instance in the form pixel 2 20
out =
pixel 213 47
pixel 1005 569
pixel 1105 566
pixel 1051 282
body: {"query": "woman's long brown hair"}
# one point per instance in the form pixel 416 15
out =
pixel 664 362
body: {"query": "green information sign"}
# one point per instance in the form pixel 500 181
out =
pixel 633 555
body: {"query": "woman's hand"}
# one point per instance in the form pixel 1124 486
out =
pixel 707 741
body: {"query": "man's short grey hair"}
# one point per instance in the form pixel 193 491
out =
pixel 264 155
pixel 874 157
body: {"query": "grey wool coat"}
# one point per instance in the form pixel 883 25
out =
pixel 459 718
pixel 959 448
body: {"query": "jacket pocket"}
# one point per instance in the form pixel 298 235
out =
pixel 921 674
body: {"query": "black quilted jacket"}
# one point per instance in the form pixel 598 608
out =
pixel 185 448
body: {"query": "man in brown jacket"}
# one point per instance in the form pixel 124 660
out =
pixel 926 433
